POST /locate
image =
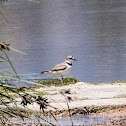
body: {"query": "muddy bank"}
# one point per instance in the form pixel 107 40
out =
pixel 87 116
pixel 91 110
pixel 116 117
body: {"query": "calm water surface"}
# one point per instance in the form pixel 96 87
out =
pixel 81 120
pixel 93 31
pixel 85 120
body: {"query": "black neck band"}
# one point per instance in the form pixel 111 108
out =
pixel 69 63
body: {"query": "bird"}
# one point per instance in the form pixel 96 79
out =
pixel 61 69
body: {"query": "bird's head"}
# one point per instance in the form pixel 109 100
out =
pixel 70 58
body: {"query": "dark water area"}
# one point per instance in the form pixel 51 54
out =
pixel 93 31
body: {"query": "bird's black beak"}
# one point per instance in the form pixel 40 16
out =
pixel 75 60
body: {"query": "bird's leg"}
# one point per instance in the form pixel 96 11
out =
pixel 61 79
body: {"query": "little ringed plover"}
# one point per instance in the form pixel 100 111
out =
pixel 61 69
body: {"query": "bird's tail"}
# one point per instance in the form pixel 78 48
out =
pixel 44 72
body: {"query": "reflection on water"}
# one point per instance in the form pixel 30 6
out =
pixel 48 31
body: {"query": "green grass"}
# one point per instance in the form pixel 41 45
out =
pixel 96 83
pixel 57 82
pixel 118 82
pixel 3 91
pixel 14 96
pixel 113 82
pixel 41 93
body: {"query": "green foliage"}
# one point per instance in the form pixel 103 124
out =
pixel 8 92
pixel 57 82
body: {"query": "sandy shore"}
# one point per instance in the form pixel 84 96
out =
pixel 83 94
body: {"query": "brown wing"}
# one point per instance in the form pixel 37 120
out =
pixel 58 67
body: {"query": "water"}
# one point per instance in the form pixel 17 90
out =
pixel 94 32
pixel 86 120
